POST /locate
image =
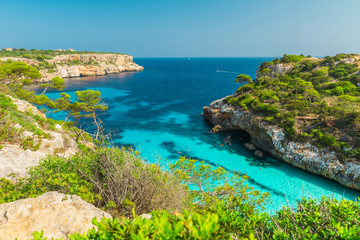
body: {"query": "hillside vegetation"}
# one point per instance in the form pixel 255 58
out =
pixel 313 100
pixel 42 55
pixel 187 199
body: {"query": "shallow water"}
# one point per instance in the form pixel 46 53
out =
pixel 158 111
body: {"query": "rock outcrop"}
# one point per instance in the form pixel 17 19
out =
pixel 57 214
pixel 275 70
pixel 77 65
pixel 25 106
pixel 15 161
pixel 272 139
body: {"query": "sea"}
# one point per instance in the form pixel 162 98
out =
pixel 158 112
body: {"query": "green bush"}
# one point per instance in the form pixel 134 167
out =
pixel 267 109
pixel 106 175
pixel 291 58
pixel 312 219
pixel 163 226
pixel 325 139
pixel 327 219
pixel 6 102
pixel 338 73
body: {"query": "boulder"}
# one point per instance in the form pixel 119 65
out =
pixel 258 153
pixel 216 128
pixel 57 214
pixel 250 146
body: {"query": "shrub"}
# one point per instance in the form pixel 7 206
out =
pixel 267 109
pixel 291 58
pixel 325 139
pixel 162 226
pixel 327 219
pixel 6 102
pixel 338 73
pixel 106 175
pixel 244 88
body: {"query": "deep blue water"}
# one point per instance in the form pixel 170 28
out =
pixel 158 111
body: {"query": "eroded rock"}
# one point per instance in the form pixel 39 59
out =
pixel 94 64
pixel 57 214
pixel 272 139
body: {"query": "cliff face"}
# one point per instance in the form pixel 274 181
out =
pixel 272 139
pixel 245 111
pixel 275 69
pixel 77 65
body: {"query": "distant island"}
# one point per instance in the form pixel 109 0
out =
pixel 71 63
pixel 304 110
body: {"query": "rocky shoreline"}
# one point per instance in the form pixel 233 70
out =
pixel 78 65
pixel 272 139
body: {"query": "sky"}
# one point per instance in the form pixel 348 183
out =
pixel 184 28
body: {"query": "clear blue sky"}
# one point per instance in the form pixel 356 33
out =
pixel 184 28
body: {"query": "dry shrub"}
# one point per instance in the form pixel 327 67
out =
pixel 125 181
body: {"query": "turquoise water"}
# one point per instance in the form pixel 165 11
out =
pixel 158 112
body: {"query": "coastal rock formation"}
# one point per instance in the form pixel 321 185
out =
pixel 25 106
pixel 77 65
pixel 275 69
pixel 56 214
pixel 15 161
pixel 271 138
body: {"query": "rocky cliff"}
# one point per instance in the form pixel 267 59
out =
pixel 77 65
pixel 262 107
pixel 271 138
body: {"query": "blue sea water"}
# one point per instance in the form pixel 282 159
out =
pixel 158 112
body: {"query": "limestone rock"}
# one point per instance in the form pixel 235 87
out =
pixel 276 69
pixel 145 216
pixel 91 64
pixel 25 106
pixel 57 214
pixel 16 161
pixel 272 139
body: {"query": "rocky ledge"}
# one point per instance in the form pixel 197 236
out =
pixel 272 139
pixel 57 214
pixel 77 65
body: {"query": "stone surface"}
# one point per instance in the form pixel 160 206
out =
pixel 250 146
pixel 25 106
pixel 216 128
pixel 57 214
pixel 276 69
pixel 272 139
pixel 258 153
pixel 94 64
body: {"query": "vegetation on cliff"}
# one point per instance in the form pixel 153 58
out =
pixel 187 199
pixel 42 55
pixel 313 100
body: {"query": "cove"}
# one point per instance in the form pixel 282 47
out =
pixel 158 112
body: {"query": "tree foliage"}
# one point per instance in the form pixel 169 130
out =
pixel 17 72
